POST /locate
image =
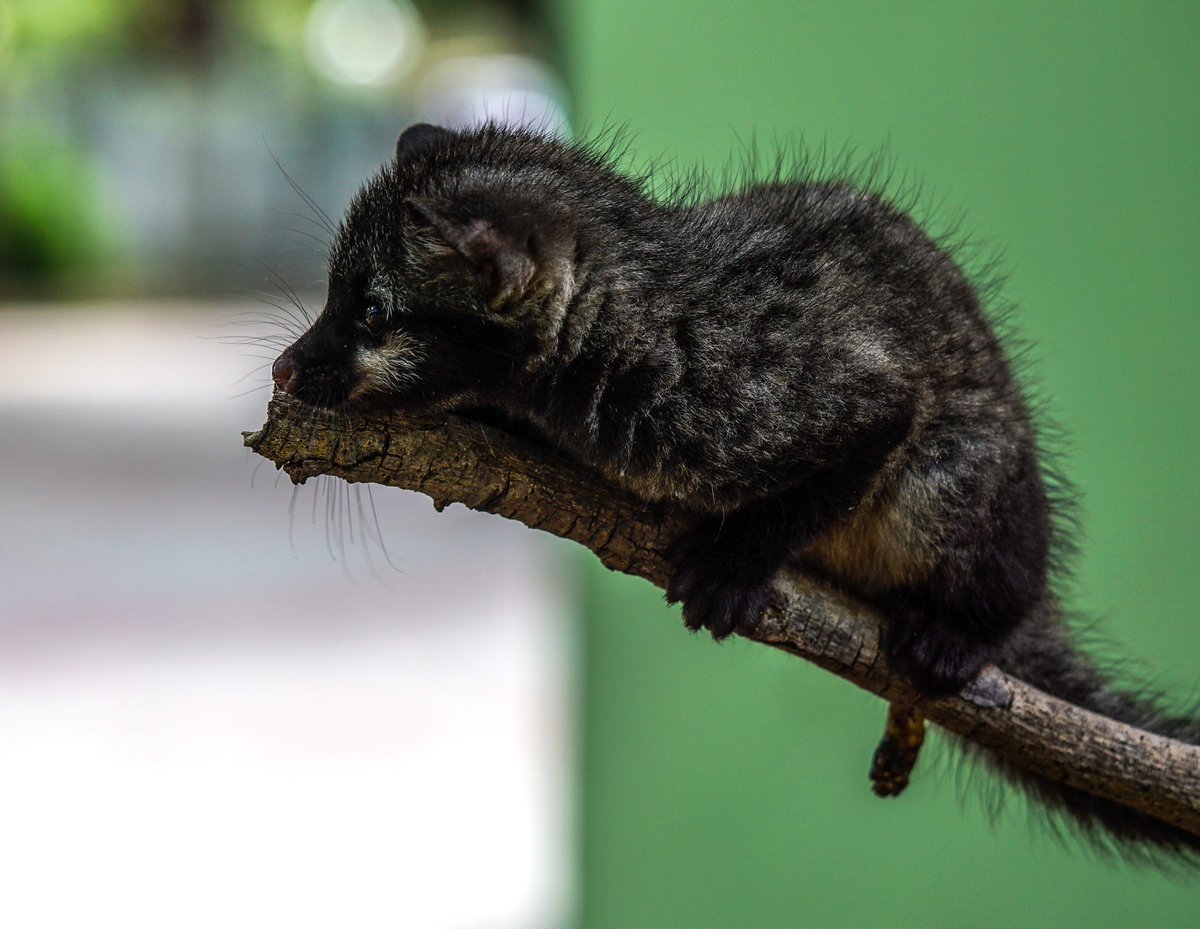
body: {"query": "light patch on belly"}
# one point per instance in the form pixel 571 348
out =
pixel 879 548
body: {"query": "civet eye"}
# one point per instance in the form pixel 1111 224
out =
pixel 374 317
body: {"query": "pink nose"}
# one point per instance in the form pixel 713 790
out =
pixel 285 373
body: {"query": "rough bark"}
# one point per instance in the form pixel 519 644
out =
pixel 456 460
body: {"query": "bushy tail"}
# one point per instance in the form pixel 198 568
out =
pixel 1043 654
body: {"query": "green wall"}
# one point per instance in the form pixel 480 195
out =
pixel 726 786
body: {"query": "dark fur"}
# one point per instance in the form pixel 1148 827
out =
pixel 797 364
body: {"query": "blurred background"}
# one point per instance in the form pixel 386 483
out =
pixel 226 701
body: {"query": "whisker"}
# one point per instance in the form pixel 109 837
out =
pixel 246 393
pixel 328 223
pixel 387 556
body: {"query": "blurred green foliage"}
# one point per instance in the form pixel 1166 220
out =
pixel 157 116
pixel 55 27
pixel 48 215
pixel 727 786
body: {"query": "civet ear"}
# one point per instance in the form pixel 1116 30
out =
pixel 498 251
pixel 420 136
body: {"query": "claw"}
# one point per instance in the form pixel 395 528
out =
pixel 721 607
pixel 714 595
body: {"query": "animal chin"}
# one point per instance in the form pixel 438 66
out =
pixel 387 370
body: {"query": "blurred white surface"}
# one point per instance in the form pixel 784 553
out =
pixel 203 723
pixel 513 90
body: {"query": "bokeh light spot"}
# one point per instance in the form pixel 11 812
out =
pixel 364 42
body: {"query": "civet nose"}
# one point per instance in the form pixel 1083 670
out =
pixel 285 373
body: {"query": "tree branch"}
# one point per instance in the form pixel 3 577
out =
pixel 456 460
